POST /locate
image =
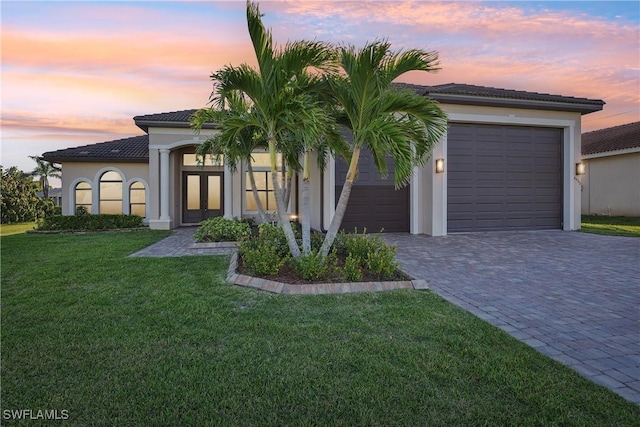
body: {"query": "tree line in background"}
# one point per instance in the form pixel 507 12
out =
pixel 298 102
pixel 19 200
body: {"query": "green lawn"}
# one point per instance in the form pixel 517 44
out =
pixel 141 341
pixel 9 229
pixel 611 225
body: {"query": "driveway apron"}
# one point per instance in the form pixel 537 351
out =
pixel 572 296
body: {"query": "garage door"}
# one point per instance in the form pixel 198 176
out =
pixel 503 178
pixel 374 204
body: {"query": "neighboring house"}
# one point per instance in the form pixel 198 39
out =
pixel 509 164
pixel 611 185
pixel 55 194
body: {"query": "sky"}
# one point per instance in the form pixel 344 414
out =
pixel 76 72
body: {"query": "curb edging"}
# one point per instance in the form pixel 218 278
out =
pixel 235 278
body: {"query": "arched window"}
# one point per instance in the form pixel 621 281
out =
pixel 111 193
pixel 83 196
pixel 137 199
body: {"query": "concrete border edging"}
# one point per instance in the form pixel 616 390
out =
pixel 235 278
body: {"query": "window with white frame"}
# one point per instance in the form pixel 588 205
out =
pixel 82 196
pixel 261 165
pixel 111 193
pixel 137 199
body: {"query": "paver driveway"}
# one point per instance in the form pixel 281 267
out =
pixel 573 296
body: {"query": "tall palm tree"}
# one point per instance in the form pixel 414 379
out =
pixel 234 151
pixel 279 98
pixel 45 170
pixel 399 123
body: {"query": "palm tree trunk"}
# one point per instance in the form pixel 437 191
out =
pixel 256 197
pixel 45 187
pixel 289 185
pixel 305 216
pixel 278 183
pixel 341 207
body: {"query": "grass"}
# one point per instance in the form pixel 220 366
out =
pixel 611 225
pixel 9 229
pixel 142 341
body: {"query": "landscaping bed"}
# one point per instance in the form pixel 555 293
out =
pixel 264 253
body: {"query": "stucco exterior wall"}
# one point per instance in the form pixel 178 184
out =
pixel 611 185
pixel 75 172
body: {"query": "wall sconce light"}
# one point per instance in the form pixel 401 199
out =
pixel 581 168
pixel 439 165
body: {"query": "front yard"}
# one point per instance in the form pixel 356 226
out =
pixel 611 225
pixel 141 341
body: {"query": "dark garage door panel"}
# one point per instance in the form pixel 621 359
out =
pixel 374 203
pixel 503 178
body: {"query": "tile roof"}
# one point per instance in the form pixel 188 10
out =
pixel 171 116
pixel 175 119
pixel 611 139
pixel 134 149
pixel 457 93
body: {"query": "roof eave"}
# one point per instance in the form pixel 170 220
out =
pixel 582 108
pixel 146 124
pixel 611 153
pixel 63 159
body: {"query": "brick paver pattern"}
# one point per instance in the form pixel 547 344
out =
pixel 572 296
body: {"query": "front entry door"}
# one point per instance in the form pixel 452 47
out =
pixel 202 196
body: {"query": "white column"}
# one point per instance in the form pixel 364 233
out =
pixel 164 185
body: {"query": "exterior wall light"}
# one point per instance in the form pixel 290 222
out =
pixel 581 168
pixel 439 165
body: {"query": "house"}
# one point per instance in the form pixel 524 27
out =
pixel 611 185
pixel 55 194
pixel 506 163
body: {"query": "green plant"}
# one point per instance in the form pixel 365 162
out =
pixel 89 222
pixel 272 235
pixel 81 210
pixel 371 252
pixel 262 260
pixel 352 270
pixel 312 266
pixel 382 260
pixel 220 229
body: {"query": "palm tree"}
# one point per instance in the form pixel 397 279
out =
pixel 279 97
pixel 45 170
pixel 234 151
pixel 387 121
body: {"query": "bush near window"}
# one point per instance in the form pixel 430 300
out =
pixel 354 258
pixel 220 229
pixel 89 222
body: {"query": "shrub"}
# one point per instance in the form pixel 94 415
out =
pixel 220 229
pixel 261 260
pixel 352 270
pixel 89 222
pixel 371 252
pixel 312 266
pixel 81 210
pixel 272 235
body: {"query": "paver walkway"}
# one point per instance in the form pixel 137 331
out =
pixel 180 243
pixel 573 296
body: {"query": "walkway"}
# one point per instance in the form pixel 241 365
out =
pixel 180 243
pixel 573 296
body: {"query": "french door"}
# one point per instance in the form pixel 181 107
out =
pixel 201 196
